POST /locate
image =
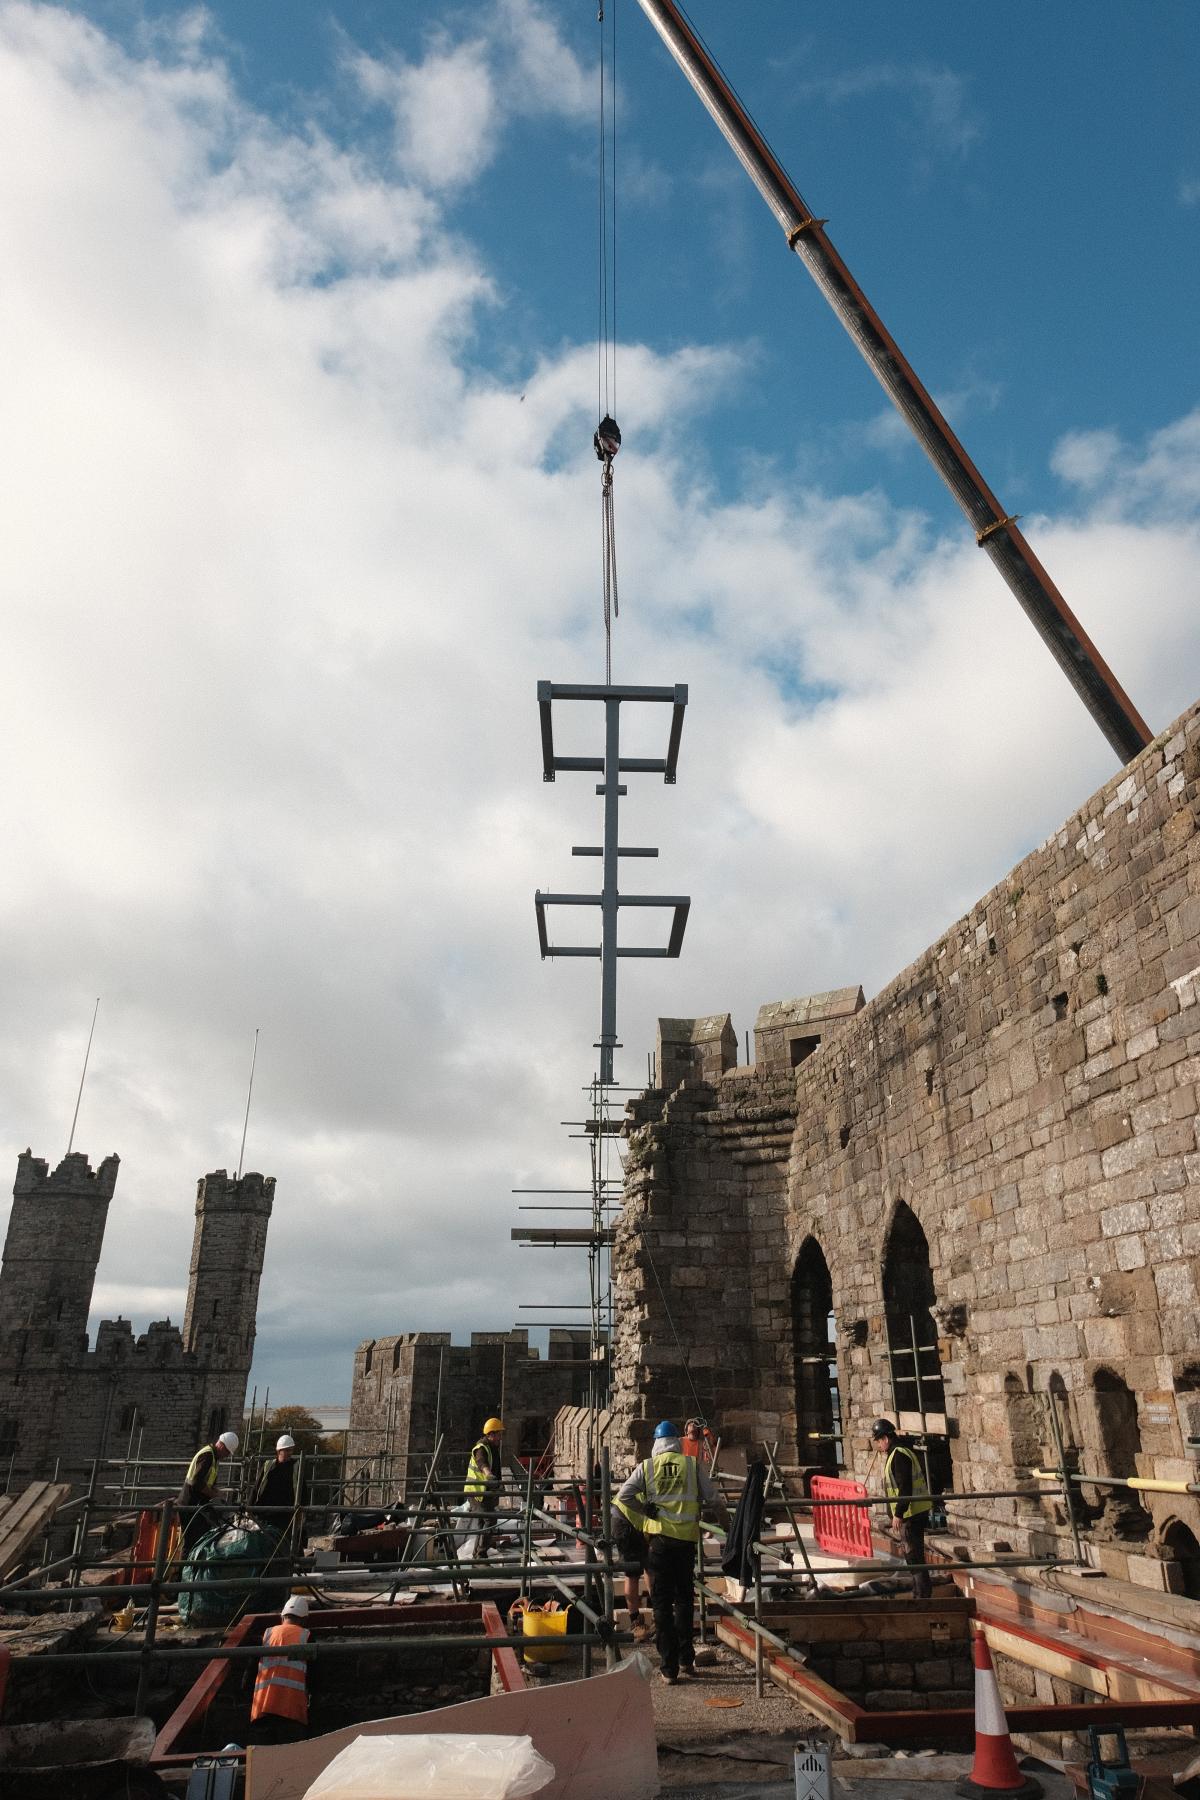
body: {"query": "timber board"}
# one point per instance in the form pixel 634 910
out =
pixel 871 1621
pixel 28 1515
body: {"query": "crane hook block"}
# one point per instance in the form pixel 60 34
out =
pixel 607 439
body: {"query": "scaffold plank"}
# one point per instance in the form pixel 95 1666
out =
pixel 27 1516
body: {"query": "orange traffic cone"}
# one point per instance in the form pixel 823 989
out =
pixel 995 1769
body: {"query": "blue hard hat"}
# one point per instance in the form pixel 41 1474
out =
pixel 665 1429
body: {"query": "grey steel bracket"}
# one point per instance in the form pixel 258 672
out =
pixel 611 766
pixel 681 903
pixel 676 697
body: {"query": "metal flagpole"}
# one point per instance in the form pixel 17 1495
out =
pixel 249 1091
pixel 83 1076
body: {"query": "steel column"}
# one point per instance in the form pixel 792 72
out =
pixel 608 892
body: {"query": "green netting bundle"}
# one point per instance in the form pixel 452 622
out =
pixel 230 1552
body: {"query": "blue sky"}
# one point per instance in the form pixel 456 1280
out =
pixel 288 552
pixel 1021 203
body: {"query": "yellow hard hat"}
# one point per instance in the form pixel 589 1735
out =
pixel 492 1425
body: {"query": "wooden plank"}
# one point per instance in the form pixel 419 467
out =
pixel 1051 1662
pixel 817 1696
pixel 1090 1672
pixel 854 1625
pixel 30 1513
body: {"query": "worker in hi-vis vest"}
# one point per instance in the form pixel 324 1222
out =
pixel 482 1486
pixel 279 1709
pixel 909 1504
pixel 664 1497
pixel 194 1500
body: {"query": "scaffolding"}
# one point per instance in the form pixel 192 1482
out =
pixel 559 1548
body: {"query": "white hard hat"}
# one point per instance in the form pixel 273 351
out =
pixel 285 1442
pixel 228 1440
pixel 296 1607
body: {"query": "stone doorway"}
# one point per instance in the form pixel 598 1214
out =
pixel 814 1351
pixel 918 1392
pixel 1181 1552
pixel 1120 1447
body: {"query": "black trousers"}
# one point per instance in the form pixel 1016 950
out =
pixel 196 1520
pixel 671 1564
pixel 914 1552
pixel 485 1505
pixel 271 1728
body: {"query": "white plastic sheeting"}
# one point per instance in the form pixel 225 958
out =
pixel 433 1766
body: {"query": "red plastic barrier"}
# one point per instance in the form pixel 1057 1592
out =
pixel 843 1528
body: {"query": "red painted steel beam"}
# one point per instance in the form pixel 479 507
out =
pixel 200 1696
pixel 995 530
pixel 925 1725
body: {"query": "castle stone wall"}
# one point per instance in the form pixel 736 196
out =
pixel 409 1388
pixel 1027 1089
pixel 64 1404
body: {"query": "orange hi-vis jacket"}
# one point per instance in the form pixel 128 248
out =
pixel 280 1686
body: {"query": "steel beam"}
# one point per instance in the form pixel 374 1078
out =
pixel 995 530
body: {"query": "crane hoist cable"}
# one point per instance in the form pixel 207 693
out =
pixel 607 439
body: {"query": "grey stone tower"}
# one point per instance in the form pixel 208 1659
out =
pixel 55 1232
pixel 228 1248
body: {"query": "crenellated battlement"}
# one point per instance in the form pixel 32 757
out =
pixel 64 1401
pixel 74 1175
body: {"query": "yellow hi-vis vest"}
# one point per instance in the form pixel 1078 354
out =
pixel 631 1513
pixel 920 1501
pixel 210 1479
pixel 672 1487
pixel 479 1472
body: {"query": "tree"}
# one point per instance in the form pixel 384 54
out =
pixel 296 1421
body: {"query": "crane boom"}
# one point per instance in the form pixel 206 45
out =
pixel 995 531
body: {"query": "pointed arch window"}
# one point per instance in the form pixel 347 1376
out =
pixel 814 1349
pixel 918 1391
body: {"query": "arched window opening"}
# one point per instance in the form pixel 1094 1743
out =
pixel 1120 1446
pixel 1182 1551
pixel 814 1350
pixel 918 1394
pixel 533 1437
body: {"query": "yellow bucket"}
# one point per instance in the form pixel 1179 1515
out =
pixel 538 1624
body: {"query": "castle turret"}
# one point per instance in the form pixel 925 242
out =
pixel 230 1241
pixel 55 1232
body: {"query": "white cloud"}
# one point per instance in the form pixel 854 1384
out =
pixel 450 107
pixel 282 569
pixel 1160 478
pixel 937 100
pixel 1085 457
